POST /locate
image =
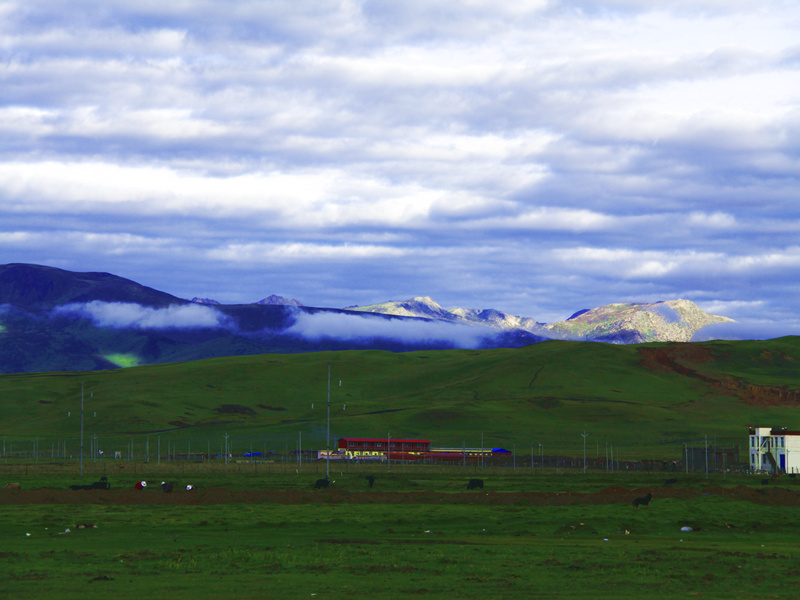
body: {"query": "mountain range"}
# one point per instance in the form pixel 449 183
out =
pixel 668 321
pixel 57 320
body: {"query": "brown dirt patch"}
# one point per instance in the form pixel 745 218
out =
pixel 772 495
pixel 680 359
pixel 761 395
pixel 676 358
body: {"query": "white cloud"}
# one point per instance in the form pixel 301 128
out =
pixel 633 264
pixel 551 218
pixel 352 327
pixel 127 315
pixel 718 220
pixel 301 252
pixel 515 152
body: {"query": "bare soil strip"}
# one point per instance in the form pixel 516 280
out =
pixel 772 495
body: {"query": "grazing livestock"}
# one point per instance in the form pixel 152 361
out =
pixel 321 483
pixel 12 487
pixel 670 481
pixel 97 485
pixel 765 482
pixel 643 501
pixel 371 480
pixel 474 484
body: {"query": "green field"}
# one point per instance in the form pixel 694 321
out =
pixel 646 401
pixel 427 537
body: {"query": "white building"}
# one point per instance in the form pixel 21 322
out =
pixel 774 450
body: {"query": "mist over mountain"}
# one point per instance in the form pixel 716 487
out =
pixel 57 320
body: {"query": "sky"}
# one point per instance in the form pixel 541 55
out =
pixel 537 157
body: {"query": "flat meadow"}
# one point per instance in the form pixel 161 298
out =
pixel 264 531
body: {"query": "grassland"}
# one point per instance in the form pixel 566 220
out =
pixel 267 534
pixel 644 400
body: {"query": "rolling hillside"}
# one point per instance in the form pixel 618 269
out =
pixel 654 397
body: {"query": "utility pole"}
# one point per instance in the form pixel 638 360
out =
pixel 81 427
pixel 541 455
pixel 686 457
pixel 328 435
pixel 584 435
pixel 612 458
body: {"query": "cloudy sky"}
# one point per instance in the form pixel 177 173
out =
pixel 533 156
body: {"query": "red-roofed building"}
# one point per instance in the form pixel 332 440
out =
pixel 376 448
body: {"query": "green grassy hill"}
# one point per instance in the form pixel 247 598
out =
pixel 652 397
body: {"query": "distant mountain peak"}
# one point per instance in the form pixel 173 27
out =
pixel 279 300
pixel 419 306
pixel 427 308
pixel 32 286
pixel 205 301
pixel 663 321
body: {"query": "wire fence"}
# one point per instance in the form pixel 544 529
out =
pixel 693 455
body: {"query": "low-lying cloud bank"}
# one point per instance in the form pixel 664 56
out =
pixel 120 315
pixel 745 329
pixel 347 327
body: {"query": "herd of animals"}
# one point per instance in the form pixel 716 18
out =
pixel 472 484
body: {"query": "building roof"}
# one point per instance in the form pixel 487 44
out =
pixel 382 439
pixel 776 431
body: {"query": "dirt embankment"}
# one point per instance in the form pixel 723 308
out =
pixel 684 358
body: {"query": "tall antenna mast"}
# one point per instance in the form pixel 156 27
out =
pixel 81 427
pixel 328 437
pixel 584 435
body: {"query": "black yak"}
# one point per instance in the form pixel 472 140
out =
pixel 321 483
pixel 670 481
pixel 371 480
pixel 474 484
pixel 643 501
pixel 97 485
